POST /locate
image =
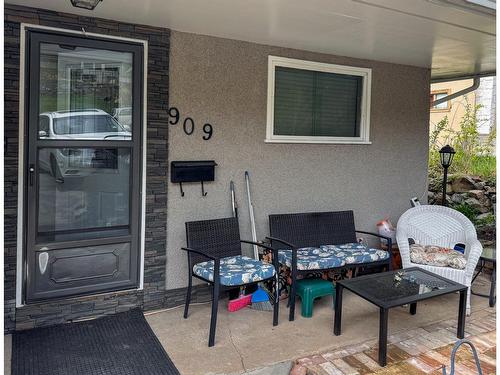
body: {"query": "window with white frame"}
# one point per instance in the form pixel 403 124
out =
pixel 440 94
pixel 312 102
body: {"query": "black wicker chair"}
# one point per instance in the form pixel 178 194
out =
pixel 314 229
pixel 209 242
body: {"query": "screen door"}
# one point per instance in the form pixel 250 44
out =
pixel 84 121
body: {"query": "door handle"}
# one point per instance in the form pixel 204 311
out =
pixel 31 171
pixel 43 259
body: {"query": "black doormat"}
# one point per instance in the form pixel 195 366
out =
pixel 121 344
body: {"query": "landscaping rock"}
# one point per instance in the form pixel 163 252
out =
pixel 458 198
pixel 480 185
pixel 468 194
pixel 476 204
pixel 462 184
pixel 491 190
pixel 435 184
pixel 438 199
pixel 487 243
pixel 486 232
pixel 483 216
pixel 478 194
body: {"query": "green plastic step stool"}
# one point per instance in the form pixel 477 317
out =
pixel 309 290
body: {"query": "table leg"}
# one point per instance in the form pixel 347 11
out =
pixel 338 310
pixel 493 285
pixel 413 308
pixel 382 337
pixel 461 314
pixel 481 266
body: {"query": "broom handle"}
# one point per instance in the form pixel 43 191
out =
pixel 252 217
pixel 234 205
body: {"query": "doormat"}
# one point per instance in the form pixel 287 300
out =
pixel 121 344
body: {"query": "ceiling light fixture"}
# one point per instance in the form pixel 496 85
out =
pixel 85 4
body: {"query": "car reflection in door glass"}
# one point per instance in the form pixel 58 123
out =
pixel 90 124
pixel 124 117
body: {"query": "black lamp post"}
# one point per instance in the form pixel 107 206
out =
pixel 446 156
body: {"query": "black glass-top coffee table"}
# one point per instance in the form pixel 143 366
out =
pixel 397 288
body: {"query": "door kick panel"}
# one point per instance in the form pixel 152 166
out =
pixel 84 267
pixel 65 272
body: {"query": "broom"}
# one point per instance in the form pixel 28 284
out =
pixel 260 298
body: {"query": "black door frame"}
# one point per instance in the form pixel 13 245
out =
pixel 33 37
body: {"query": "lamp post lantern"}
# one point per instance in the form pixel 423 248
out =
pixel 446 156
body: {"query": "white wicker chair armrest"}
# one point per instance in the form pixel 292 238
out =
pixel 404 247
pixel 474 251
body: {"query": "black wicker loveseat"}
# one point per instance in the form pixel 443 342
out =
pixel 321 241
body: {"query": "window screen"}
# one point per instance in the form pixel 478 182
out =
pixel 311 103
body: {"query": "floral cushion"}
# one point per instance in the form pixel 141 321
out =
pixel 311 258
pixel 235 270
pixel 354 253
pixel 437 256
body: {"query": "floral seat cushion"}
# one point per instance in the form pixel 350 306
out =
pixel 235 270
pixel 354 253
pixel 311 258
pixel 437 256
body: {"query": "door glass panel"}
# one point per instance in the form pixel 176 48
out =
pixel 83 193
pixel 85 93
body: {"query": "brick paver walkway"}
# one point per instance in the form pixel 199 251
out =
pixel 418 351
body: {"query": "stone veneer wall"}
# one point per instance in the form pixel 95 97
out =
pixel 153 296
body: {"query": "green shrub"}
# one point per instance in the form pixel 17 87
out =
pixel 469 211
pixel 488 220
pixel 472 157
pixel 484 166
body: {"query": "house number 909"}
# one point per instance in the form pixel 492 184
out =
pixel 188 124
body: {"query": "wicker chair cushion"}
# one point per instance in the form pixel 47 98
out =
pixel 311 258
pixel 437 256
pixel 235 270
pixel 354 253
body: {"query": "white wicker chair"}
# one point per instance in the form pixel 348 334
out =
pixel 441 226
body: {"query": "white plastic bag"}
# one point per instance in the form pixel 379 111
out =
pixel 385 228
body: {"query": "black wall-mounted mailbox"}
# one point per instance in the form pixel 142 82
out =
pixel 192 171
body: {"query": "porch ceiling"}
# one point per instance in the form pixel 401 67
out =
pixel 454 38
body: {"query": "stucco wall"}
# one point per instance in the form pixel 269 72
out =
pixel 224 82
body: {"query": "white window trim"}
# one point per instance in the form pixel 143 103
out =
pixel 366 73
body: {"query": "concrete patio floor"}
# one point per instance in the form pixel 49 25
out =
pixel 246 340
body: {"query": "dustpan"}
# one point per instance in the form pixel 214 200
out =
pixel 260 295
